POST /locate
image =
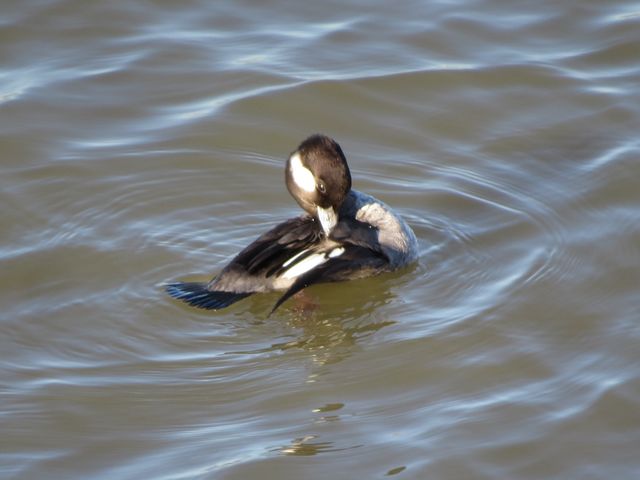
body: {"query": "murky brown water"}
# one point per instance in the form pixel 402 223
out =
pixel 144 141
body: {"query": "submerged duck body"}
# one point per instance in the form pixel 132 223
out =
pixel 344 234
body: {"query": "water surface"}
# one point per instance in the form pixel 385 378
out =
pixel 143 142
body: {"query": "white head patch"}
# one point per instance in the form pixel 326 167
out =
pixel 301 174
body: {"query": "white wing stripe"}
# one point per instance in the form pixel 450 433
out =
pixel 312 261
pixel 294 257
pixel 309 263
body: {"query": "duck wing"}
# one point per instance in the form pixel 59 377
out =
pixel 359 255
pixel 257 267
pixel 246 273
pixel 267 255
pixel 353 261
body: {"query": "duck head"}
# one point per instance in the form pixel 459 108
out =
pixel 318 177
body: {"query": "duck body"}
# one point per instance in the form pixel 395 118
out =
pixel 344 235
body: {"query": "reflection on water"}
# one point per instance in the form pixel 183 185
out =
pixel 146 141
pixel 326 333
pixel 331 339
pixel 311 444
pixel 307 446
pixel 397 470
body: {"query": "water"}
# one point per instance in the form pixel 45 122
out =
pixel 144 142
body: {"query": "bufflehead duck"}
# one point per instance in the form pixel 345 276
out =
pixel 344 234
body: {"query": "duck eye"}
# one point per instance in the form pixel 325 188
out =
pixel 322 188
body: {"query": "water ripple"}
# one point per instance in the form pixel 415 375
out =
pixel 145 141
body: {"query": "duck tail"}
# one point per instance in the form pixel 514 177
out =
pixel 198 295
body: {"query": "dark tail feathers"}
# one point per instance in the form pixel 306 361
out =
pixel 198 295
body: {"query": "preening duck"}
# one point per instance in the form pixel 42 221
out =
pixel 343 234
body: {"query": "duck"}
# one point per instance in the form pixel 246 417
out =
pixel 342 235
